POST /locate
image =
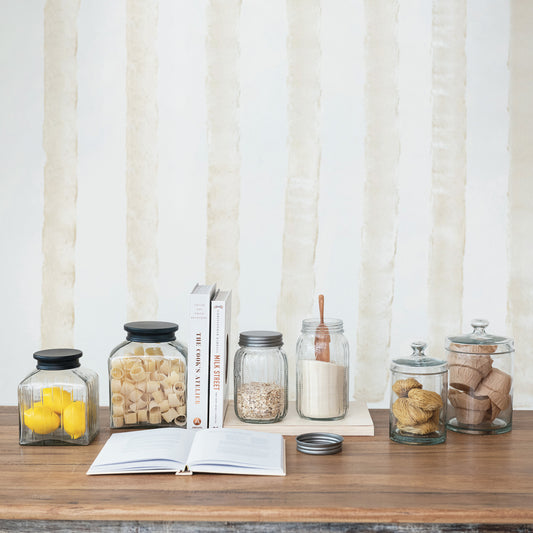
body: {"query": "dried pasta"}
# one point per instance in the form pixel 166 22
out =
pixel 117 373
pixel 147 388
pixel 158 396
pixel 130 418
pixel 137 373
pixel 154 417
pixel 117 399
pixel 154 406
pixel 165 367
pixel 154 351
pixel 173 400
pixel 170 415
pixel 141 404
pixel 116 363
pixel 127 387
pixel 152 386
pixel 135 395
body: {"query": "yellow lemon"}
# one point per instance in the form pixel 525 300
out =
pixel 56 399
pixel 41 419
pixel 74 419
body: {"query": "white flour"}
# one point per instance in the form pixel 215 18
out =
pixel 322 389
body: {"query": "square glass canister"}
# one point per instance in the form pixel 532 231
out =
pixel 147 377
pixel 418 398
pixel 58 402
pixel 481 381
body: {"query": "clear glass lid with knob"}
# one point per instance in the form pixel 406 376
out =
pixel 419 362
pixel 479 341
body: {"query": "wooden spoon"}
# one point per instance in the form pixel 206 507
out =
pixel 322 338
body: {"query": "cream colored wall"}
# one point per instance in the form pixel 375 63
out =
pixel 284 148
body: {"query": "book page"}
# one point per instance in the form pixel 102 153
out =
pixel 163 449
pixel 238 449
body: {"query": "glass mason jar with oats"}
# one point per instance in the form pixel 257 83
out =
pixel 148 377
pixel 260 378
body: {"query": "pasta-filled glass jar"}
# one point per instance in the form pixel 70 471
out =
pixel 418 398
pixel 58 402
pixel 261 379
pixel 481 381
pixel 148 377
pixel 322 377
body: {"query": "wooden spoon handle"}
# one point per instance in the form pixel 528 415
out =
pixel 321 307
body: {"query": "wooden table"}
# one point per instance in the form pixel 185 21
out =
pixel 467 480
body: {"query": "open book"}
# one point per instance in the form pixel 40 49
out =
pixel 217 450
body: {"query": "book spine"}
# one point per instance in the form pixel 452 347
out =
pixel 198 361
pixel 218 362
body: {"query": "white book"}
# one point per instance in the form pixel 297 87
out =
pixel 218 358
pixel 198 356
pixel 223 451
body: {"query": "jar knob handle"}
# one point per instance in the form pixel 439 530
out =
pixel 479 325
pixel 418 347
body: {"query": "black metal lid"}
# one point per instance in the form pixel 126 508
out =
pixel 151 331
pixel 58 358
pixel 261 339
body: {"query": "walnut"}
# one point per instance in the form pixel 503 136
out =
pixel 425 399
pixel 403 386
pixel 408 414
pixel 417 413
pixel 420 429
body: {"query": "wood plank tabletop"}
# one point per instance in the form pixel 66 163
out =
pixel 469 479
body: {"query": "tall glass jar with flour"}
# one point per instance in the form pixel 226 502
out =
pixel 323 356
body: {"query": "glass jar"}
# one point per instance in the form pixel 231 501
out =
pixel 418 398
pixel 58 402
pixel 322 385
pixel 481 381
pixel 147 377
pixel 261 379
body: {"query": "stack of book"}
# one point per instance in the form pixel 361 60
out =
pixel 209 329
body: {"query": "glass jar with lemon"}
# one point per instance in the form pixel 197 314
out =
pixel 58 402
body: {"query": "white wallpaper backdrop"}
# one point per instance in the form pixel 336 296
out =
pixel 376 151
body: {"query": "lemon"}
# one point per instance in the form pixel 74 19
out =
pixel 56 399
pixel 74 419
pixel 41 419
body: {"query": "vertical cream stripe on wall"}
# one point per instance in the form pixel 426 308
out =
pixel 445 281
pixel 380 204
pixel 60 143
pixel 301 197
pixel 520 202
pixel 224 163
pixel 141 158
